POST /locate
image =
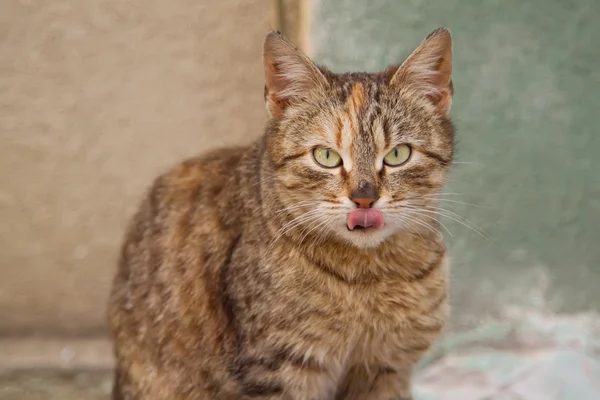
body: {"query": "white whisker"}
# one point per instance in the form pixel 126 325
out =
pixel 440 194
pixel 403 219
pixel 316 226
pixel 433 218
pixel 467 162
pixel 421 223
pixel 462 202
pixel 453 216
pixel 300 204
pixel 303 218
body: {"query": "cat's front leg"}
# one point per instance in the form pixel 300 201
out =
pixel 286 380
pixel 303 388
pixel 387 384
pixel 391 384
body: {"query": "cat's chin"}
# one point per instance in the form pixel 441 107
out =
pixel 365 238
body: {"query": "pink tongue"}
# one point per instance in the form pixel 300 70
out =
pixel 365 217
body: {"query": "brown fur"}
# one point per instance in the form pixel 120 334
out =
pixel 238 278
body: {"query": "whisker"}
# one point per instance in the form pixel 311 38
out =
pixel 298 221
pixel 406 220
pixel 446 201
pixel 316 226
pixel 297 205
pixel 456 217
pixel 409 226
pixel 440 194
pixel 467 162
pixel 436 197
pixel 455 214
pixel 274 241
pixel 431 196
pixel 437 220
pixel 463 202
pixel 324 233
pixel 464 221
pixel 423 224
pixel 303 218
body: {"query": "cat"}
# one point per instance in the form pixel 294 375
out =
pixel 308 265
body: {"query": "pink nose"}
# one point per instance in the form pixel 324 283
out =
pixel 364 202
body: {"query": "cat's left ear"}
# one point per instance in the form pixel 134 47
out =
pixel 428 70
pixel 290 76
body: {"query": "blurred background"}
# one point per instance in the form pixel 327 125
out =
pixel 98 97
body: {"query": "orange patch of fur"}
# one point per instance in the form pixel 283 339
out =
pixel 356 100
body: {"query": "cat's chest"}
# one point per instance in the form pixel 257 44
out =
pixel 385 322
pixel 384 305
pixel 354 322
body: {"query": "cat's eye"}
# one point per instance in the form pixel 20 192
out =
pixel 327 158
pixel 398 156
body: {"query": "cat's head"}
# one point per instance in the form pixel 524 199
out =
pixel 359 156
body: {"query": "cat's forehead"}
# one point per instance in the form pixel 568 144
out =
pixel 346 83
pixel 359 95
pixel 367 116
pixel 354 127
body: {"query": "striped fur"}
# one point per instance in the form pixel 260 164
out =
pixel 238 278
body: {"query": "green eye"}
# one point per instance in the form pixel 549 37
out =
pixel 327 158
pixel 398 156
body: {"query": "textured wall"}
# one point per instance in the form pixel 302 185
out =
pixel 97 97
pixel 526 107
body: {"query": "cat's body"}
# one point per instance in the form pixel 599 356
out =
pixel 232 286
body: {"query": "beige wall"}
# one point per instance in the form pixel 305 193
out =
pixel 97 97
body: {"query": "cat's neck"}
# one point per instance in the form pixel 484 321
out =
pixel 401 256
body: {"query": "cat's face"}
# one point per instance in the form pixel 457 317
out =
pixel 359 157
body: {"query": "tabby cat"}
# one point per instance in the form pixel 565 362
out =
pixel 306 266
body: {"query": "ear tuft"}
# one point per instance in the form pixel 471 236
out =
pixel 428 70
pixel 290 76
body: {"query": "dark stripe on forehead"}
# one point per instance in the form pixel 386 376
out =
pixel 386 133
pixel 363 143
pixel 354 105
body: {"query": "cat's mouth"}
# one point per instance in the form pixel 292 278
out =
pixel 365 219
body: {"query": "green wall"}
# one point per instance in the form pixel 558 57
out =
pixel 527 84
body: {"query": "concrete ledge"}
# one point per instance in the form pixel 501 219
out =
pixel 64 354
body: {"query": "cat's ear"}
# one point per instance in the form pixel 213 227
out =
pixel 290 76
pixel 428 70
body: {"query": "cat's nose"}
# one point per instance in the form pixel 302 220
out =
pixel 364 202
pixel 364 195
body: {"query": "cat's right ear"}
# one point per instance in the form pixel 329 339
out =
pixel 290 76
pixel 428 70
